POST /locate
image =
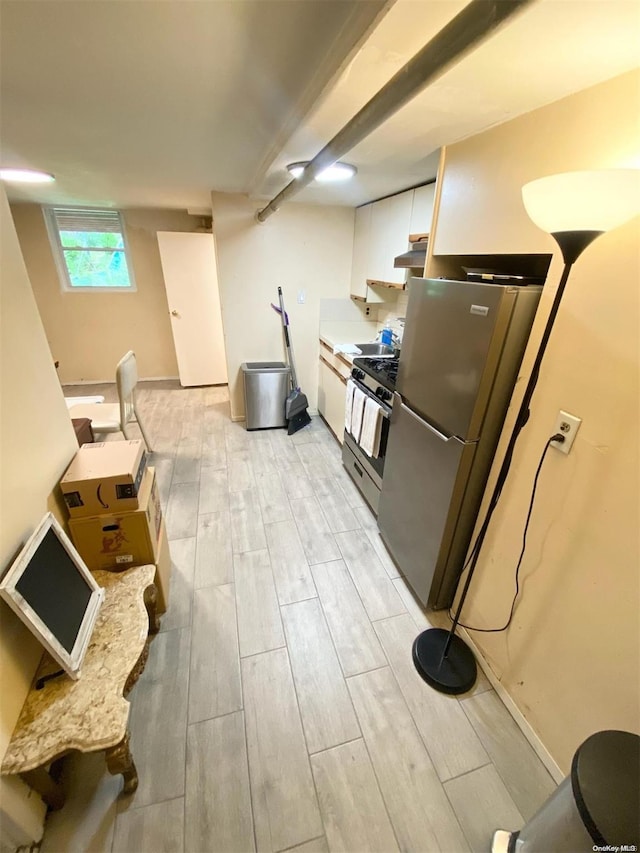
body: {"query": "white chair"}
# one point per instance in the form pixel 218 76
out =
pixel 114 417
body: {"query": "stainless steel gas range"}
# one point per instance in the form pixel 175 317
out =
pixel 376 377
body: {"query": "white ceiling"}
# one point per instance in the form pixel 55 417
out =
pixel 549 50
pixel 157 103
pixel 140 103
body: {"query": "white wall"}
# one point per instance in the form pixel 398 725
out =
pixel 301 247
pixel 37 442
pixel 89 332
pixel 571 659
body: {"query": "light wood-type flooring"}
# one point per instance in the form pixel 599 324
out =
pixel 279 709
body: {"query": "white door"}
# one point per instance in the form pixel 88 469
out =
pixel 191 280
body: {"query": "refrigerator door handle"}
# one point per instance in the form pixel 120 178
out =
pixel 432 429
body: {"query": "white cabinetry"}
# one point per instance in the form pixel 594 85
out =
pixel 422 210
pixel 375 266
pixel 389 236
pixel 381 233
pixel 360 251
pixel 332 386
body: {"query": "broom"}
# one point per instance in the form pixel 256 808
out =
pixel 296 404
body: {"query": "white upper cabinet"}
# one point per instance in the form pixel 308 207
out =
pixel 361 235
pixel 390 222
pixel 382 232
pixel 376 251
pixel 422 211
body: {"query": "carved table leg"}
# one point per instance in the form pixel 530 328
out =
pixel 137 670
pixel 42 782
pixel 151 603
pixel 119 760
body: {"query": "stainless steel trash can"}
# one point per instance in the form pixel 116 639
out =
pixel 266 385
pixel 595 808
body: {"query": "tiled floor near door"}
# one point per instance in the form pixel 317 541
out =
pixel 279 709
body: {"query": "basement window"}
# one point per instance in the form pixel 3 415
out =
pixel 90 249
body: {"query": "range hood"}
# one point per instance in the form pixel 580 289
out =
pixel 414 258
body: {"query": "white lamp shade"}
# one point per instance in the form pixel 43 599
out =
pixel 583 201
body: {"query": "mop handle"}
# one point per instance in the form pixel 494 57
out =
pixel 278 311
pixel 287 340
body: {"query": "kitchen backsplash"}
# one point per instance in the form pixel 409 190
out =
pixel 342 321
pixel 346 310
pixel 390 311
pixel 346 320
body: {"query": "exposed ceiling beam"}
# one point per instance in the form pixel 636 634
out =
pixel 478 20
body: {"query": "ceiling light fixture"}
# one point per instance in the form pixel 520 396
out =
pixel 337 172
pixel 26 176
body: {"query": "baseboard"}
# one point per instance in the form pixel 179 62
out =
pixel 111 380
pixel 520 720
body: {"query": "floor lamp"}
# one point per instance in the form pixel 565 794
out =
pixel 575 208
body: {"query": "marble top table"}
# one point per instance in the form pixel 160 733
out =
pixel 89 714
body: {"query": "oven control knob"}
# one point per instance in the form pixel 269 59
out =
pixel 357 373
pixel 382 393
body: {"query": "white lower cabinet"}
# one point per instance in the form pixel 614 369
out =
pixel 331 395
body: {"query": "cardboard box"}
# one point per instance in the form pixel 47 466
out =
pixel 104 477
pixel 119 541
pixel 163 570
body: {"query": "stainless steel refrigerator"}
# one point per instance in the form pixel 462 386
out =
pixel 462 347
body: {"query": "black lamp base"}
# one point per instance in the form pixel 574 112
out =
pixel 454 674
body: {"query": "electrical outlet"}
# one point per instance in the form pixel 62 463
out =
pixel 302 297
pixel 367 310
pixel 567 425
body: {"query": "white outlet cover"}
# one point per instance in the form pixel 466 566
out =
pixel 566 424
pixel 302 297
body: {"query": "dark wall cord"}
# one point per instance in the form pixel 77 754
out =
pixel 558 437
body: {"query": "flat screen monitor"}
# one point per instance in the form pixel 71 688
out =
pixel 52 591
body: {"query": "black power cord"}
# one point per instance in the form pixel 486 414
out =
pixel 559 438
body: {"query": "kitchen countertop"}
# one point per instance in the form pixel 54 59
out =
pixel 335 333
pixel 345 357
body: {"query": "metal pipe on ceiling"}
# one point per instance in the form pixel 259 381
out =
pixel 469 27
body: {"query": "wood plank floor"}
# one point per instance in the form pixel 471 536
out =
pixel 279 709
